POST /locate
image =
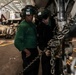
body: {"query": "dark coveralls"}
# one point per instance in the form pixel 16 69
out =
pixel 26 38
pixel 45 33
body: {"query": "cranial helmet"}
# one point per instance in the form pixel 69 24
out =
pixel 28 10
pixel 44 14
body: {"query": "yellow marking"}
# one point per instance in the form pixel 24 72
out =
pixel 68 62
pixel 75 67
pixel 7 44
pixel 74 39
pixel 2 41
pixel 74 49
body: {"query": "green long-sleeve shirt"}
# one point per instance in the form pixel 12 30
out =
pixel 26 36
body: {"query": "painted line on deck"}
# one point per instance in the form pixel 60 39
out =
pixel 6 44
pixel 74 49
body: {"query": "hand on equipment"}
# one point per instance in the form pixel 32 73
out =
pixel 48 52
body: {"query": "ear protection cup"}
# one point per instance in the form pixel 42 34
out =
pixel 21 14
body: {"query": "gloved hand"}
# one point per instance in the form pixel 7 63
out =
pixel 48 52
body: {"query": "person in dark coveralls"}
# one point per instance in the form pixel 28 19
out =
pixel 26 41
pixel 45 29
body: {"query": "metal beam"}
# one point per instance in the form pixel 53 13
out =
pixel 14 6
pixel 6 4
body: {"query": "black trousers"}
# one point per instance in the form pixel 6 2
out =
pixel 33 69
pixel 46 67
pixel 58 66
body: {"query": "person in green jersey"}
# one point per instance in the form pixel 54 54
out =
pixel 26 41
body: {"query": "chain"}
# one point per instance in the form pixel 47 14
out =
pixel 55 42
pixel 29 65
pixel 66 29
pixel 52 61
pixel 31 62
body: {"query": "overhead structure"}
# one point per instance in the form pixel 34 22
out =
pixel 15 5
pixel 51 5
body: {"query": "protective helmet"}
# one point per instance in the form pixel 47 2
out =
pixel 44 14
pixel 29 10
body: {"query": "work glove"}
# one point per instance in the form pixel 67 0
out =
pixel 48 52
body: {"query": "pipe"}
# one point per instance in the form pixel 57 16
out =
pixel 61 10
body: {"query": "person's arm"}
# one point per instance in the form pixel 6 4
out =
pixel 41 40
pixel 19 38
